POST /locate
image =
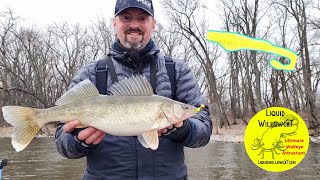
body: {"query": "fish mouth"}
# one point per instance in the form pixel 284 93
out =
pixel 193 111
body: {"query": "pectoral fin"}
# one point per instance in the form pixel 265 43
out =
pixel 143 142
pixel 149 139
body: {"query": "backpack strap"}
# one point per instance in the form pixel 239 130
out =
pixel 102 75
pixel 171 70
pixel 153 72
pixel 112 71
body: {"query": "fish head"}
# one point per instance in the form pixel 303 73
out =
pixel 177 112
pixel 184 111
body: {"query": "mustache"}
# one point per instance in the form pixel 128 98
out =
pixel 136 30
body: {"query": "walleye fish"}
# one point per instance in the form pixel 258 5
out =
pixel 132 110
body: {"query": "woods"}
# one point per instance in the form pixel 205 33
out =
pixel 36 65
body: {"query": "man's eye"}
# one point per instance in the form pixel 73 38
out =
pixel 142 19
pixel 126 18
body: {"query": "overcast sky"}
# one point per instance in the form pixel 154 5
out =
pixel 43 12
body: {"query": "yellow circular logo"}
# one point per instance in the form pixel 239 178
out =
pixel 276 139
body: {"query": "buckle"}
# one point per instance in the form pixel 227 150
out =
pixel 101 69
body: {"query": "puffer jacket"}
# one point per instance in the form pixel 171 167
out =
pixel 122 158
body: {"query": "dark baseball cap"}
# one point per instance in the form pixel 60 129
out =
pixel 145 5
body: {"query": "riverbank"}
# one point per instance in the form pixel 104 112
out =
pixel 235 134
pixel 232 134
pixel 48 131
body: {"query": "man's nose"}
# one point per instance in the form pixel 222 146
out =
pixel 134 24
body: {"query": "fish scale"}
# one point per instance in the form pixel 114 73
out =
pixel 132 110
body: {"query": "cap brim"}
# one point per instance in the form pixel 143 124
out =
pixel 144 9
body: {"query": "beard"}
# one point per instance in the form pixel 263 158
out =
pixel 133 45
pixel 137 46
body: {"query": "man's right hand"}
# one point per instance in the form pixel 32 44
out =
pixel 90 135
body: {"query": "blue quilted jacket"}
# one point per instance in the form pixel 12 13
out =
pixel 124 157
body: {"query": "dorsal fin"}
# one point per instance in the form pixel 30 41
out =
pixel 81 90
pixel 135 86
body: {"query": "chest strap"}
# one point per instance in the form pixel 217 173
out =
pixel 102 74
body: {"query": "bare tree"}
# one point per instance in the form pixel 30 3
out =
pixel 8 23
pixel 167 40
pixel 298 10
pixel 244 16
pixel 70 49
pixel 185 17
pixel 36 66
pixel 101 37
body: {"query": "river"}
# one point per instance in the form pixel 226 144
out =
pixel 216 161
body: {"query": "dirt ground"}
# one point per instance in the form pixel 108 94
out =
pixel 233 133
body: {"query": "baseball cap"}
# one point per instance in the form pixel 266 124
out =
pixel 145 5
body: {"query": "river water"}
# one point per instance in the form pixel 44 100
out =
pixel 41 161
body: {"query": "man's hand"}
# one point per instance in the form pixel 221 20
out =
pixel 90 135
pixel 167 129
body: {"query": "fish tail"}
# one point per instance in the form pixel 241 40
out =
pixel 24 125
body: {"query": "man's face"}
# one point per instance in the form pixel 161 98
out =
pixel 134 28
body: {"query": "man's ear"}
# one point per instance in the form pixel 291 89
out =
pixel 114 23
pixel 154 23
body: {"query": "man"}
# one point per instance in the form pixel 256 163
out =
pixel 114 157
